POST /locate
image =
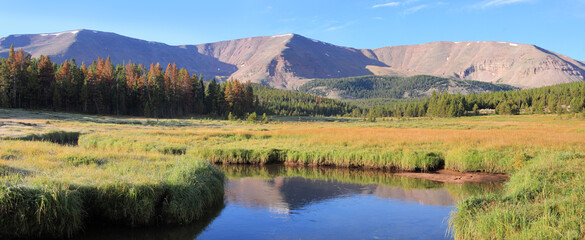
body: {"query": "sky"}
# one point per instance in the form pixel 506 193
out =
pixel 556 25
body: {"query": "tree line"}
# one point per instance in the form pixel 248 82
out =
pixel 123 89
pixel 557 99
pixel 292 103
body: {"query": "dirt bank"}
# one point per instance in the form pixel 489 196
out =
pixel 450 176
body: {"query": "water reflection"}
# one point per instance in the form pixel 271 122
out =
pixel 278 202
pixel 286 188
pixel 282 194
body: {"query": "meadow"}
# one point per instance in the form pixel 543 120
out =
pixel 153 159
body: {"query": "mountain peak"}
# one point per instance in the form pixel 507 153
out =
pixel 284 35
pixel 74 32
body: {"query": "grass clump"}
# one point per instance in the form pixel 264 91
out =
pixel 474 160
pixel 543 200
pixel 191 189
pixel 76 160
pixel 40 211
pixel 60 137
pixel 243 156
pixel 54 191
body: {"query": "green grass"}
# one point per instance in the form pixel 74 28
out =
pixel 39 211
pixel 543 200
pixel 53 191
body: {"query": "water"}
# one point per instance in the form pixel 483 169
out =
pixel 280 202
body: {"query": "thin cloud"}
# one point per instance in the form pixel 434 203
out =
pixel 390 4
pixel 333 28
pixel 495 3
pixel 415 9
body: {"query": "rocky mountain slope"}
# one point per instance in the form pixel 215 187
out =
pixel 290 60
pixel 519 65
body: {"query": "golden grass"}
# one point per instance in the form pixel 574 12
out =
pixel 142 152
pixel 452 138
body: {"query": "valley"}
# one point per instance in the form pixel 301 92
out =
pixel 247 137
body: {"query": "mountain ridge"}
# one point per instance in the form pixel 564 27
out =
pixel 290 60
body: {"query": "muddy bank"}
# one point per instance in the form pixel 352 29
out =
pixel 441 175
pixel 450 176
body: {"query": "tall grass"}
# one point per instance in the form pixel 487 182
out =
pixel 40 211
pixel 543 200
pixel 54 191
pixel 191 188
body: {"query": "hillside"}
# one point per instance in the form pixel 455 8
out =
pixel 291 60
pixel 293 103
pixel 367 87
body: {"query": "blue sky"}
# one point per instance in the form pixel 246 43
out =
pixel 556 25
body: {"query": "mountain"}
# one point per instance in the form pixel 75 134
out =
pixel 520 65
pixel 87 45
pixel 291 60
pixel 367 87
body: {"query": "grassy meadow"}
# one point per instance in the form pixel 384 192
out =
pixel 50 188
pixel 125 168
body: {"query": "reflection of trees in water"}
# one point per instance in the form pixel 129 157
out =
pixel 179 232
pixel 295 187
pixel 281 189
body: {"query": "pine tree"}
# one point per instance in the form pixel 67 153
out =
pixel 5 83
pixel 46 79
pixel 211 97
pixel 64 92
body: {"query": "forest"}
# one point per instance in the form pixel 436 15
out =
pixel 134 89
pixel 292 103
pixel 123 89
pixel 558 99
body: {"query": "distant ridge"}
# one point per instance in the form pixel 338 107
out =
pixel 290 60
